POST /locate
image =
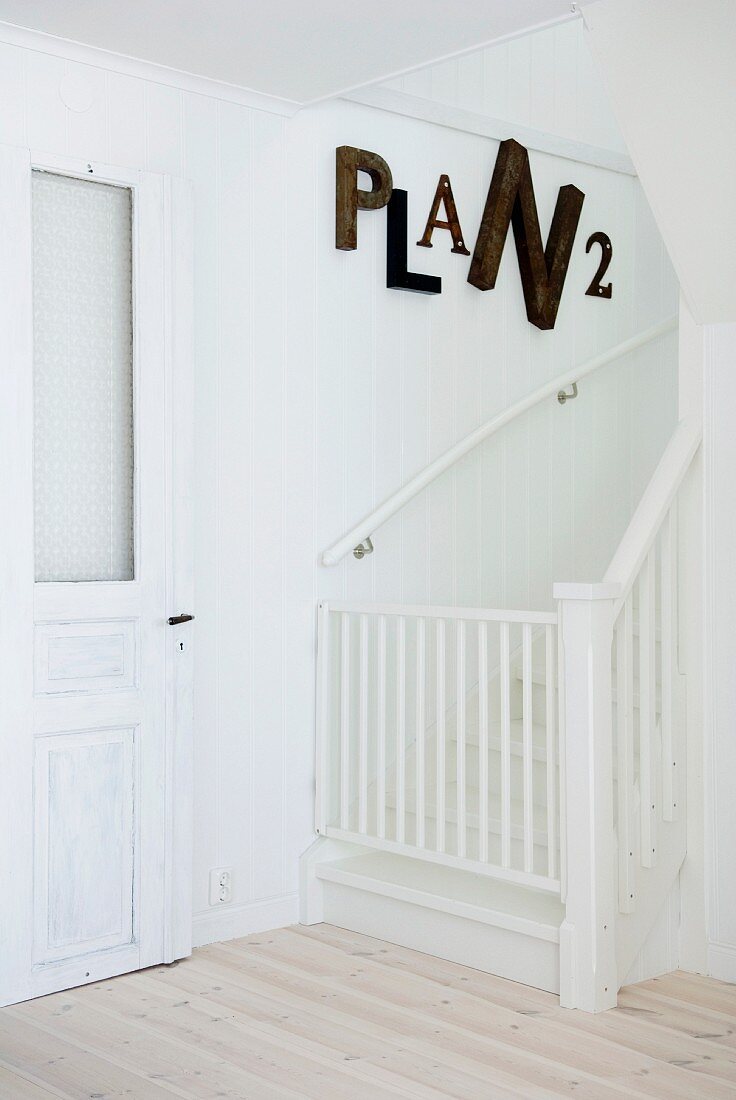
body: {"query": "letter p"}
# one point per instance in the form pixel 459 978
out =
pixel 350 198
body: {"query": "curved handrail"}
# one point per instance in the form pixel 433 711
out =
pixel 654 505
pixel 397 500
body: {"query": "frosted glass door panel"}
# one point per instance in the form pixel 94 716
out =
pixel 83 380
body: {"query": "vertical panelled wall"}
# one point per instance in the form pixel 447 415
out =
pixel 253 440
pixel 547 81
pixel 318 391
pixel 402 376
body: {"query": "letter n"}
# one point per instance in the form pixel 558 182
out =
pixel 511 199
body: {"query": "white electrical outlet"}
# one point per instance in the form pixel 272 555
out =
pixel 221 885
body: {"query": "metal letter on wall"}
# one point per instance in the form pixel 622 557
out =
pixel 596 288
pixel 398 275
pixel 350 198
pixel 511 199
pixel 444 195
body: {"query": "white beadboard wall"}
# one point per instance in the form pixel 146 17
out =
pixel 547 81
pixel 318 392
pixel 401 377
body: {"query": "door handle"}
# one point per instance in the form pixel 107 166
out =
pixel 174 620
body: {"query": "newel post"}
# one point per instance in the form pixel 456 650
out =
pixel 588 975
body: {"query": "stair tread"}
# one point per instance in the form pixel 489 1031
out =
pixel 472 801
pixel 447 884
pixel 539 680
pixel 495 731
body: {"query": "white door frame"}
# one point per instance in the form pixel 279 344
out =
pixel 168 313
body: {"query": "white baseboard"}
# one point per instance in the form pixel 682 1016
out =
pixel 722 961
pixel 233 921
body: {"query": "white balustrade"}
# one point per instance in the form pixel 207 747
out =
pixel 621 741
pixel 438 737
pixel 542 749
pixel 648 706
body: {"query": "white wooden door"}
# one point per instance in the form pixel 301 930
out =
pixel 95 685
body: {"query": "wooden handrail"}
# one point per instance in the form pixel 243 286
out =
pixel 363 530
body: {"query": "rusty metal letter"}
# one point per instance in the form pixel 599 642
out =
pixel 511 199
pixel 596 288
pixel 350 198
pixel 444 194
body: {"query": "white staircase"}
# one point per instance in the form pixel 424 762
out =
pixel 496 925
pixel 457 915
pixel 492 778
pixel 506 789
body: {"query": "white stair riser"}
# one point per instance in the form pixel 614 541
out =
pixel 636 651
pixel 539 702
pixel 495 735
pixel 471 836
pixel 512 955
pixel 472 770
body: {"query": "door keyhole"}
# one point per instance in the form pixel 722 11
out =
pixel 181 645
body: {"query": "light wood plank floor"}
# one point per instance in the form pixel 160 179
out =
pixel 323 1013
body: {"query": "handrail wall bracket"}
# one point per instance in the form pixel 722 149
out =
pixel 363 548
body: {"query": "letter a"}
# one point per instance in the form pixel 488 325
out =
pixel 444 195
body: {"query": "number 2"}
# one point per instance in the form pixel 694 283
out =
pixel 595 289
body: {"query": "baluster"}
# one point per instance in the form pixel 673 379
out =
pixel 323 792
pixel 647 708
pixel 624 638
pixel 527 747
pixel 562 753
pixel 460 740
pixel 668 651
pixel 400 728
pixel 345 721
pixel 483 739
pixel 440 762
pixel 677 693
pixel 363 729
pixel 419 746
pixel 381 741
pixel 505 747
pixel 551 741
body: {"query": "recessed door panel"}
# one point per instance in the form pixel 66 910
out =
pixel 85 846
pixel 90 657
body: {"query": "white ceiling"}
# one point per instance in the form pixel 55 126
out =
pixel 300 50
